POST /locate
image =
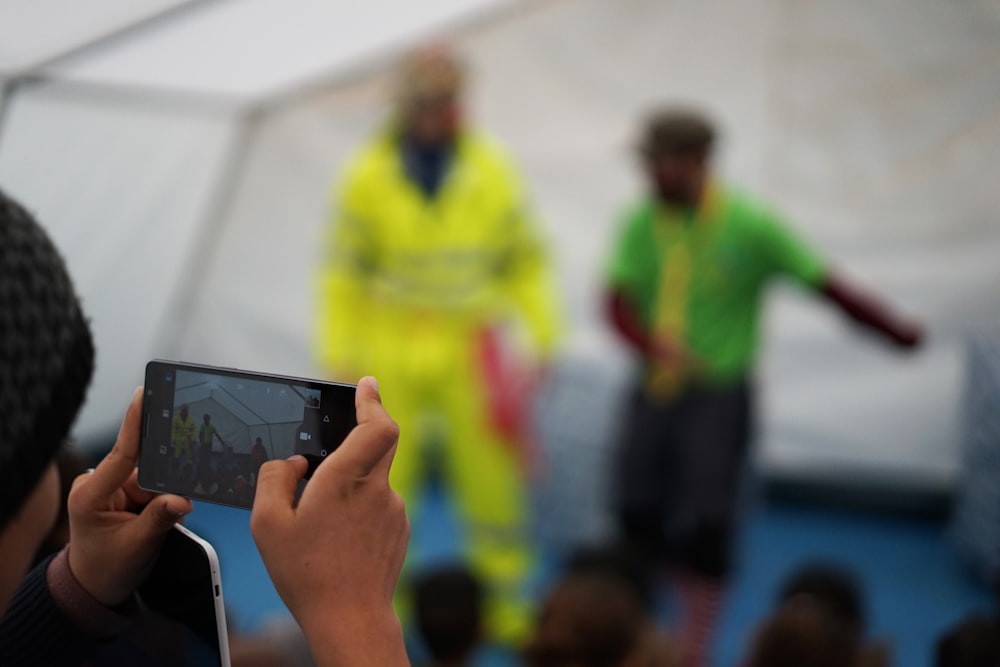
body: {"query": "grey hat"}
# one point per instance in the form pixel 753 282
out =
pixel 46 355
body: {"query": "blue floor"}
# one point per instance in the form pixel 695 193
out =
pixel 915 584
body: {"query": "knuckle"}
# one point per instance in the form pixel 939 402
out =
pixel 386 430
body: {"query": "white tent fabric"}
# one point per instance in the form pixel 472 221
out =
pixel 253 50
pixel 875 126
pixel 125 190
pixel 35 32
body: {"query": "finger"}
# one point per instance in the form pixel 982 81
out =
pixel 135 494
pixel 158 517
pixel 277 482
pixel 381 468
pixel 371 440
pixel 114 470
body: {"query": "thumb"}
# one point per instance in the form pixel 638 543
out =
pixel 372 441
pixel 160 515
pixel 277 482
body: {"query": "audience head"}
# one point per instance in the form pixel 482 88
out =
pixel 448 603
pixel 833 586
pixel 46 361
pixel 803 631
pixel 616 560
pixel 975 642
pixel 589 619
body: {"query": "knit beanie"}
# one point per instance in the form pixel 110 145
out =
pixel 46 355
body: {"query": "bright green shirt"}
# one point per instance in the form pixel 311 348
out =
pixel 734 249
pixel 206 432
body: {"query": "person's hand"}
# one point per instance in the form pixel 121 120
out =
pixel 669 353
pixel 335 557
pixel 111 548
pixel 907 334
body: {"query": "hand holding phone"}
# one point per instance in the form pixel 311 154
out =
pixel 335 555
pixel 113 548
pixel 206 431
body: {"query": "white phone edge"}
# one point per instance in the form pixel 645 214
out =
pixel 220 606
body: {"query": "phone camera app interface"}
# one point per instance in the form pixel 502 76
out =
pixel 222 429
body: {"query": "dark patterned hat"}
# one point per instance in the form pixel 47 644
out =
pixel 46 355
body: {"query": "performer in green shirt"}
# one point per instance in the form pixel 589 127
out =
pixel 686 283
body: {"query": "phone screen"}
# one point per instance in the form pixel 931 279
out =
pixel 184 587
pixel 206 431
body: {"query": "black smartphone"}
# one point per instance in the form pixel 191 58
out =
pixel 184 589
pixel 206 430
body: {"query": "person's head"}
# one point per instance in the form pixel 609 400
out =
pixel 833 586
pixel 617 560
pixel 974 642
pixel 429 85
pixel 675 148
pixel 46 361
pixel 258 441
pixel 589 619
pixel 802 631
pixel 207 418
pixel 184 411
pixel 448 603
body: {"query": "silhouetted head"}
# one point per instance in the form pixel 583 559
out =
pixel 589 619
pixel 802 631
pixel 448 603
pixel 46 362
pixel 975 642
pixel 834 586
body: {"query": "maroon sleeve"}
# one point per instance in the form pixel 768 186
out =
pixel 51 620
pixel 868 310
pixel 621 315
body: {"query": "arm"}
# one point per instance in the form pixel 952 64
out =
pixel 335 556
pixel 667 351
pixel 621 314
pixel 53 621
pixel 871 312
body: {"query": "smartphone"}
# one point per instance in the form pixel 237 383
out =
pixel 184 591
pixel 206 430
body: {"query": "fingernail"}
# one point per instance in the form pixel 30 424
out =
pixel 374 382
pixel 296 457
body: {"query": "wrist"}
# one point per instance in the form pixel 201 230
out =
pixel 355 638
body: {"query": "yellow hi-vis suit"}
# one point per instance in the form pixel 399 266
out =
pixel 409 287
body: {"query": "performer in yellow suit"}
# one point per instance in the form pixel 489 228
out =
pixel 434 266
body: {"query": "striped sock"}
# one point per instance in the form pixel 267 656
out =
pixel 701 599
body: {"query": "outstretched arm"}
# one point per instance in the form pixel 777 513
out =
pixel 868 310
